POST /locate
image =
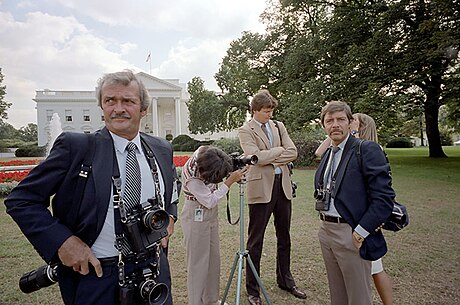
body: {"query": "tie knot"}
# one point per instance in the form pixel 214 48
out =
pixel 335 149
pixel 131 146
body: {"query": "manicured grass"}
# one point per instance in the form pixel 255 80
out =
pixel 423 259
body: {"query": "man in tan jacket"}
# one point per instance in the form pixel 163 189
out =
pixel 268 190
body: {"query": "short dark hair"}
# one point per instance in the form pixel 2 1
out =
pixel 213 164
pixel 263 99
pixel 125 78
pixel 336 106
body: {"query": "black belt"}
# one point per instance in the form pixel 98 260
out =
pixel 328 218
pixel 108 261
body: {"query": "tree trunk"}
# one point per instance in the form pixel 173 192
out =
pixel 431 118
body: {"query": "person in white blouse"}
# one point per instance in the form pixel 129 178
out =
pixel 201 175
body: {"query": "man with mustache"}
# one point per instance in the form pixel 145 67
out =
pixel 353 201
pixel 93 235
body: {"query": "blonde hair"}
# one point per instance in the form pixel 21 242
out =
pixel 367 128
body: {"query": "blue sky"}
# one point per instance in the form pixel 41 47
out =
pixel 69 44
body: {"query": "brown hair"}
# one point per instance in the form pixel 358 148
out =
pixel 213 164
pixel 263 99
pixel 336 106
pixel 367 128
pixel 124 78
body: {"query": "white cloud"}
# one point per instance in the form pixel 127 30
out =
pixel 69 44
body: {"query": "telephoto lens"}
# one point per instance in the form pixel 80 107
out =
pixel 34 280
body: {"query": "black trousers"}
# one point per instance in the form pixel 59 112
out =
pixel 259 215
pixel 77 289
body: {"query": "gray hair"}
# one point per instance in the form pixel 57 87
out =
pixel 124 78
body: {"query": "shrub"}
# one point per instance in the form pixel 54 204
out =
pixel 5 188
pixel 229 145
pixel 400 143
pixel 181 139
pixel 169 137
pixel 31 151
pixel 446 138
pixel 307 141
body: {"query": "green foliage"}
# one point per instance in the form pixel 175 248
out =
pixel 29 132
pixel 181 139
pixel 393 60
pixel 7 131
pixel 4 105
pixel 229 145
pixel 31 151
pixel 306 142
pixel 169 137
pixel 6 187
pixel 400 143
pixel 446 137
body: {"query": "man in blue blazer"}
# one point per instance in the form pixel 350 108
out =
pixel 354 198
pixel 79 233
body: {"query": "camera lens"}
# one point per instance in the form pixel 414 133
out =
pixel 156 220
pixel 155 293
pixel 34 280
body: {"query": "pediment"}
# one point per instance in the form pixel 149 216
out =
pixel 154 83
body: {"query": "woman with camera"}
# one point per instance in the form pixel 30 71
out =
pixel 201 174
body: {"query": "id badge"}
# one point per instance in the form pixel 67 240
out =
pixel 199 214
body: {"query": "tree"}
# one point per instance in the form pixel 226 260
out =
pixel 4 105
pixel 7 131
pixel 391 59
pixel 29 133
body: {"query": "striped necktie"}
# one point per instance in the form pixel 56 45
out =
pixel 132 190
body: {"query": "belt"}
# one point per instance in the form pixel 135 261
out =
pixel 108 261
pixel 328 218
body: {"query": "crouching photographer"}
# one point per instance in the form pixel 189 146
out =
pixel 114 202
pixel 201 176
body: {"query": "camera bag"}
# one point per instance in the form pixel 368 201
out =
pixel 399 217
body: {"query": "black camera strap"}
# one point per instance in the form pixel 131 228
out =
pixel 120 211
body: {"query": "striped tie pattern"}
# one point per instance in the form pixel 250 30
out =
pixel 132 190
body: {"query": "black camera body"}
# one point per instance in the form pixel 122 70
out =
pixel 145 225
pixel 141 286
pixel 240 161
pixel 323 199
pixel 39 278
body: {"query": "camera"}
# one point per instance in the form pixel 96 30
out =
pixel 290 166
pixel 141 286
pixel 145 225
pixel 240 161
pixel 42 277
pixel 323 199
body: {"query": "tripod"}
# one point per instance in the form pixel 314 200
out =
pixel 239 257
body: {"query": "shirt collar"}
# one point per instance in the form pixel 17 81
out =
pixel 120 142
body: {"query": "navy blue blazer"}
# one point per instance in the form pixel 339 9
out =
pixel 363 193
pixel 56 178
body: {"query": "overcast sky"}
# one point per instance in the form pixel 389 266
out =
pixel 69 44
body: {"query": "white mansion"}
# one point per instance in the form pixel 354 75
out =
pixel 79 111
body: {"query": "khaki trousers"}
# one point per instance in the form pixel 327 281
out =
pixel 203 254
pixel 349 275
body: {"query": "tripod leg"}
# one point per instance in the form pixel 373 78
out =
pixel 229 281
pixel 259 281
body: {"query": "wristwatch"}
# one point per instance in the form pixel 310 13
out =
pixel 358 237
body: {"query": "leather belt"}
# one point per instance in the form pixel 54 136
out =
pixel 328 218
pixel 108 261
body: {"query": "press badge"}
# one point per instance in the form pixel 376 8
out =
pixel 199 214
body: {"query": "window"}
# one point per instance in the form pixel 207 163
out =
pixel 68 115
pixel 86 117
pixel 49 115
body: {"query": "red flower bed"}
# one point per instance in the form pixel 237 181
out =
pixel 13 176
pixel 19 162
pixel 179 161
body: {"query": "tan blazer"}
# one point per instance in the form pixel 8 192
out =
pixel 261 176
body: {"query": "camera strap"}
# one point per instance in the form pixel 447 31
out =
pixel 121 213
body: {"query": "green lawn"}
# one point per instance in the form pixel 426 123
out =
pixel 423 259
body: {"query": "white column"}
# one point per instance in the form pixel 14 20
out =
pixel 178 117
pixel 155 124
